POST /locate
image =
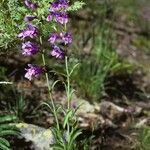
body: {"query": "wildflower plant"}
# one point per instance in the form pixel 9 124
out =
pixel 59 38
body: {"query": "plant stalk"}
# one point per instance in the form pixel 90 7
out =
pixel 49 91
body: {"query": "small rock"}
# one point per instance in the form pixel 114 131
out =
pixel 40 137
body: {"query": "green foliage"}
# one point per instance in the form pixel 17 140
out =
pixel 100 58
pixel 65 138
pixel 6 129
pixel 93 69
pixel 76 6
pixel 85 144
pixel 2 73
pixel 20 107
pixel 66 132
pixel 143 138
pixel 11 14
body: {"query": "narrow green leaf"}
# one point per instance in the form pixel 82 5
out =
pixel 73 137
pixel 8 132
pixel 67 117
pixel 73 69
pixel 3 147
pixel 4 142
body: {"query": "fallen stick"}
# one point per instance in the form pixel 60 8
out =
pixel 5 82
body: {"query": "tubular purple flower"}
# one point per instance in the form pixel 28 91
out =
pixel 29 31
pixel 57 52
pixel 49 17
pixel 29 18
pixel 66 37
pixel 33 71
pixel 53 36
pixel 30 48
pixel 58 5
pixel 61 17
pixel 30 4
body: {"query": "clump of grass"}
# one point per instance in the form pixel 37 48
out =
pixel 143 138
pixel 94 68
pixel 20 107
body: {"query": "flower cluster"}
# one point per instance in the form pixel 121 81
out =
pixel 58 5
pixel 30 31
pixel 57 52
pixel 65 37
pixel 57 13
pixel 30 4
pixel 30 48
pixel 33 70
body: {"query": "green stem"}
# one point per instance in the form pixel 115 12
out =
pixel 68 96
pixel 49 91
pixel 68 82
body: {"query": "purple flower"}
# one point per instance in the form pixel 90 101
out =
pixel 49 17
pixel 29 31
pixel 58 5
pixel 66 37
pixel 61 17
pixel 33 71
pixel 53 37
pixel 29 48
pixel 30 4
pixel 29 18
pixel 57 52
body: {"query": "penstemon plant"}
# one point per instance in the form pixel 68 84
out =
pixel 66 133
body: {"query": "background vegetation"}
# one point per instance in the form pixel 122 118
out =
pixel 112 46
